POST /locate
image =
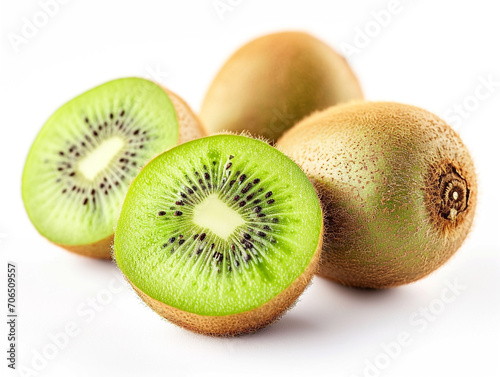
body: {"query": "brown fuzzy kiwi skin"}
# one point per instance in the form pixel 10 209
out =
pixel 190 128
pixel 273 82
pixel 98 250
pixel 241 323
pixel 378 168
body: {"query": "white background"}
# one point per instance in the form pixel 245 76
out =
pixel 432 54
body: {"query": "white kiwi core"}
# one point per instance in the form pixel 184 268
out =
pixel 95 162
pixel 216 215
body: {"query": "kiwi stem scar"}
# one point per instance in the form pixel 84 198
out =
pixel 94 163
pixel 216 215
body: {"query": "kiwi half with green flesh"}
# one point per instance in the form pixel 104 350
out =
pixel 274 81
pixel 83 159
pixel 220 235
pixel 398 189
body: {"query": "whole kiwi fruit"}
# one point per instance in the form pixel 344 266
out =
pixel 398 188
pixel 274 81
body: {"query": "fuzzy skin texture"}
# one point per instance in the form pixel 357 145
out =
pixel 381 170
pixel 274 81
pixel 190 128
pixel 99 250
pixel 242 323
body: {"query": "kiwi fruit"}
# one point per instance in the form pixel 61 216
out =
pixel 398 189
pixel 273 82
pixel 220 235
pixel 82 161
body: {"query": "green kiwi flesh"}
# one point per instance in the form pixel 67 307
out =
pixel 274 81
pixel 82 161
pixel 398 189
pixel 212 231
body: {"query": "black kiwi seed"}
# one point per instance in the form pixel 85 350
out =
pixel 242 203
pixel 246 188
pixel 202 236
pixel 177 213
pixel 236 198
pixel 275 220
pixel 229 165
pixel 181 242
pixel 261 234
pixel 270 201
pixel 242 178
pixel 218 257
pixel 257 209
pixel 268 194
pixel 247 236
pixel 171 240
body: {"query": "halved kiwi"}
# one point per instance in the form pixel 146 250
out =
pixel 220 235
pixel 398 189
pixel 83 159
